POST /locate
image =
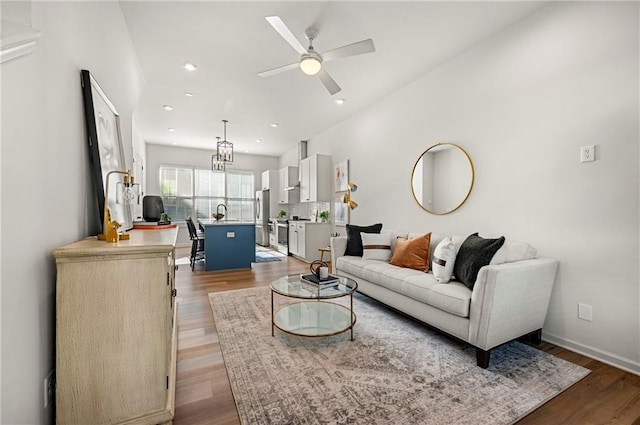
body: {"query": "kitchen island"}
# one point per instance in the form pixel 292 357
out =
pixel 228 244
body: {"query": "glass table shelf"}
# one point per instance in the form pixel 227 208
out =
pixel 314 315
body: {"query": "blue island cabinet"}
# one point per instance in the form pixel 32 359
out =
pixel 229 246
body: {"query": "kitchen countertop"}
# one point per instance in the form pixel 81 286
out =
pixel 214 222
pixel 308 222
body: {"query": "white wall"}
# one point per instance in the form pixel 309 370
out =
pixel 522 103
pixel 48 197
pixel 157 155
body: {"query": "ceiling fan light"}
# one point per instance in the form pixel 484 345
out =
pixel 310 65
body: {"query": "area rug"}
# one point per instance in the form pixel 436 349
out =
pixel 396 371
pixel 265 257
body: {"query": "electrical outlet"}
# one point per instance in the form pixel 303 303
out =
pixel 588 153
pixel 49 388
pixel 585 312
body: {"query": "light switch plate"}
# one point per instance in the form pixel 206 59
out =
pixel 585 312
pixel 588 153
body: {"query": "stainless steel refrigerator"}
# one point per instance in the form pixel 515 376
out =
pixel 262 217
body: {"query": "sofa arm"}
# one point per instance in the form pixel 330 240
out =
pixel 510 300
pixel 338 247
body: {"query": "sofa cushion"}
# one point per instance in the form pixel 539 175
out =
pixel 514 251
pixel 453 297
pixel 376 246
pixel 475 253
pixel 354 240
pixel 412 253
pixel 443 259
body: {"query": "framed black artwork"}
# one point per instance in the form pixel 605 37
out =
pixel 106 151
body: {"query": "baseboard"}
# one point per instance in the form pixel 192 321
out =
pixel 602 356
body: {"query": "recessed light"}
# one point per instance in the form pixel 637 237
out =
pixel 189 66
pixel 274 124
pixel 167 107
pixel 258 141
pixel 173 143
pixel 171 129
pixel 188 94
pixel 339 101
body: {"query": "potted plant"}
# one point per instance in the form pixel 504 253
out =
pixel 324 216
pixel 282 214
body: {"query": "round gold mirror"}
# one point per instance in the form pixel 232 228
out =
pixel 442 178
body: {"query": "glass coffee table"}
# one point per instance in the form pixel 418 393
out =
pixel 313 314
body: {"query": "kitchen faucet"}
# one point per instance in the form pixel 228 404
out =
pixel 223 206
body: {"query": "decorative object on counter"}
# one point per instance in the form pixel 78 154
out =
pixel 218 215
pixel 432 185
pixel 225 148
pixel 341 171
pixel 282 214
pixel 106 150
pixel 324 216
pixel 335 235
pixel 217 164
pixel 314 215
pixel 110 227
pixel 164 218
pixel 152 208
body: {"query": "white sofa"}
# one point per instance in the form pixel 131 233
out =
pixel 509 299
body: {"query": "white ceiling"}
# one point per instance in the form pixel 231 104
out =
pixel 231 42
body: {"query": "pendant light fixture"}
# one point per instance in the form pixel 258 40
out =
pixel 216 163
pixel 225 148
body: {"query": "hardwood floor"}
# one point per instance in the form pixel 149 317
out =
pixel 203 394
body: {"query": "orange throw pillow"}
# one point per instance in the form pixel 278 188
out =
pixel 412 253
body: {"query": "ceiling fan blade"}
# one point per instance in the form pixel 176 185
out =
pixel 278 70
pixel 328 82
pixel 286 33
pixel 353 49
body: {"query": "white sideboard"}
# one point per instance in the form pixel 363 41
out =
pixel 116 330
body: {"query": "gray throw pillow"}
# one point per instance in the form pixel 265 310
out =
pixel 475 253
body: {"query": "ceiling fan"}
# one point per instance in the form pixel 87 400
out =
pixel 311 61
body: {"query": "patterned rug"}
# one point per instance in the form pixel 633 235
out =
pixel 395 371
pixel 265 257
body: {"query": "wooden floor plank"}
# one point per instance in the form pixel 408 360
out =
pixel 203 393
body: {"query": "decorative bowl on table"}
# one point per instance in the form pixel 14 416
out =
pixel 217 216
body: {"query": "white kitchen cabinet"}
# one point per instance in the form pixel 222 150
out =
pixel 316 181
pixel 293 239
pixel 288 177
pixel 116 330
pixel 306 238
pixel 270 180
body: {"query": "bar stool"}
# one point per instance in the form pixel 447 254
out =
pixel 197 244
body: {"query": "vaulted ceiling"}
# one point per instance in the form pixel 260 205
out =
pixel 230 42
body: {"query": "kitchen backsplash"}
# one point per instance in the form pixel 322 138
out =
pixel 305 209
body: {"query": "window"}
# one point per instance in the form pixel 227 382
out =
pixel 196 192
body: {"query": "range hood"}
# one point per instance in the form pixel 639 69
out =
pixel 302 154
